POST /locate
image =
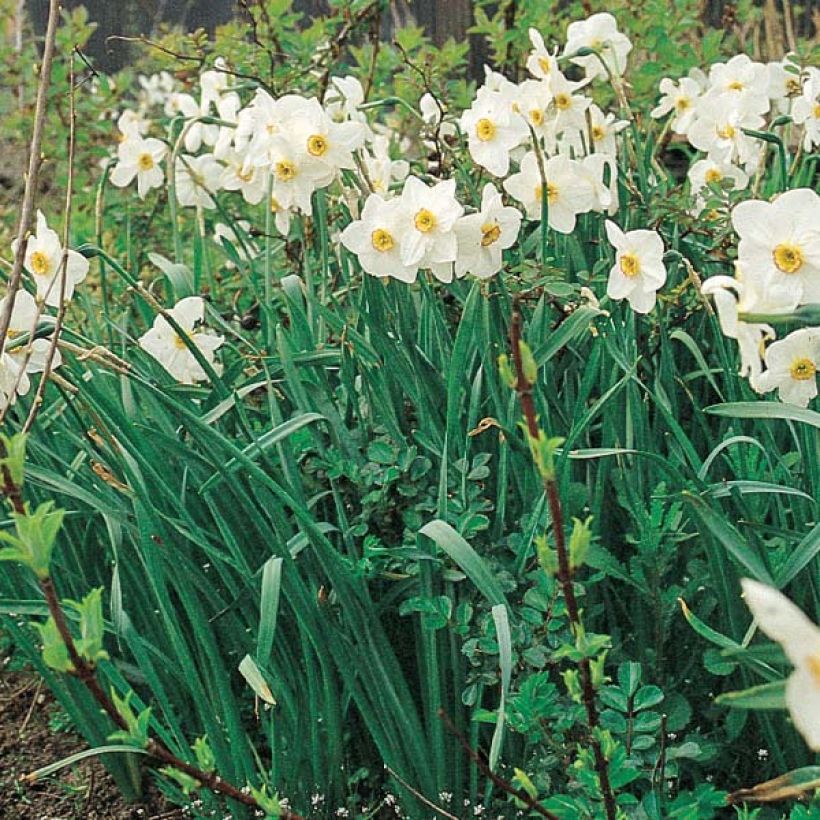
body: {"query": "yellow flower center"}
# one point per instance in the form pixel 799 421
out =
pixel 425 221
pixel 284 170
pixel 382 240
pixel 630 264
pixel 317 145
pixel 788 258
pixel 275 207
pixel 727 132
pixel 816 111
pixel 536 116
pixel 813 664
pixel 736 85
pixel 552 192
pixel 145 162
pixel 245 176
pixel 682 103
pixel 563 101
pixel 39 263
pixel 802 370
pixel 490 233
pixel 713 175
pixel 793 87
pixel 544 65
pixel 485 129
pixel 11 334
pixel 179 343
pixel 598 133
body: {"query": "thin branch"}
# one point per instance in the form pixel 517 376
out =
pixel 34 161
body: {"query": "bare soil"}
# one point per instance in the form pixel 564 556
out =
pixel 27 743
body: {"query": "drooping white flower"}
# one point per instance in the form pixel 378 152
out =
pixel 24 319
pixel 168 348
pixel 44 255
pixel 427 237
pixel 780 242
pixel 680 98
pixel 140 158
pixel 791 367
pixel 744 294
pixel 196 132
pixel 783 622
pixel 484 235
pixel 492 131
pixel 197 179
pixel 375 238
pixel 598 32
pixel 343 98
pixel 638 272
pixel 227 109
pixel 569 190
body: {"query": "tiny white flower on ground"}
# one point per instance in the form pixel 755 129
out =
pixel 140 158
pixel 638 271
pixel 600 33
pixel 430 214
pixel 791 367
pixel 780 242
pixel 483 236
pixel 376 239
pixel 44 255
pixel 785 623
pixel 167 347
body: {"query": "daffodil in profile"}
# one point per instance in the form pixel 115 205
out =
pixel 785 623
pixel 638 271
pixel 43 260
pixel 169 349
pixel 792 365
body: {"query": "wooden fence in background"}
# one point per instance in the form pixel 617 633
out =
pixel 441 19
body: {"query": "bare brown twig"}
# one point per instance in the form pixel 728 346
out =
pixel 523 388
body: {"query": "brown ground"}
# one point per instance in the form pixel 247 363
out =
pixel 27 743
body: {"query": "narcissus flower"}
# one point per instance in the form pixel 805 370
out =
pixel 375 238
pixel 680 98
pixel 638 271
pixel 140 158
pixel 780 242
pixel 427 238
pixel 44 255
pixel 598 32
pixel 783 622
pixel 167 347
pixel 493 130
pixel 24 320
pixel 197 178
pixel 806 109
pixel 483 236
pixel 13 380
pixel 792 365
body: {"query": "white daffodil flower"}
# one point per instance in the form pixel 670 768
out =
pixel 540 63
pixel 783 622
pixel 603 131
pixel 493 130
pixel 140 158
pixel 569 190
pixel 680 97
pixel 717 129
pixel 568 110
pixel 43 260
pixel 13 380
pixel 483 236
pixel 375 239
pixel 427 237
pixel 806 109
pixel 168 348
pixel 780 242
pixel 638 271
pixel 24 319
pixel 740 83
pixel 197 179
pixel 791 367
pixel 381 169
pixel 600 33
pixel 131 124
pixel 250 180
